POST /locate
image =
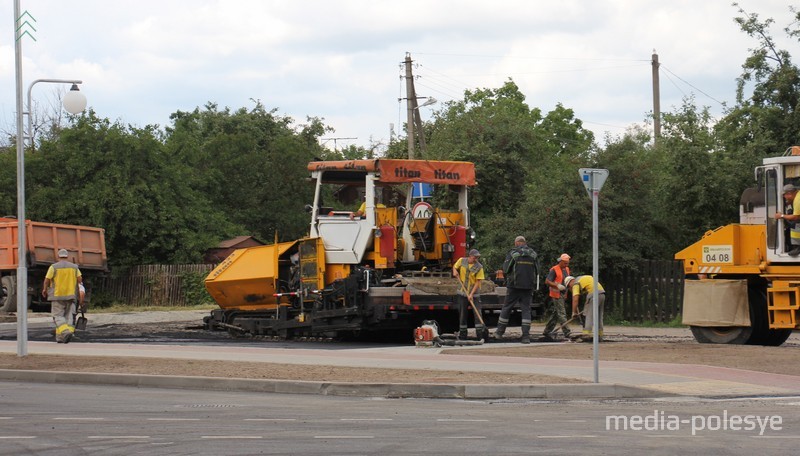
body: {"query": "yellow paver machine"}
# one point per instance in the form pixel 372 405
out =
pixel 384 267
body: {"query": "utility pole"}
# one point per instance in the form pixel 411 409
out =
pixel 656 100
pixel 411 104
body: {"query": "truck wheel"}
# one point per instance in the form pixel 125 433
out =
pixel 8 294
pixel 721 334
pixel 762 334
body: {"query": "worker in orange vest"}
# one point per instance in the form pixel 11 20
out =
pixel 555 312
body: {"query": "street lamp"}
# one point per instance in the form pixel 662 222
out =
pixel 74 102
pixel 428 102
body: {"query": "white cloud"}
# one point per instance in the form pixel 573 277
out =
pixel 142 61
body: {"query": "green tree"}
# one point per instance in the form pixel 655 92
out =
pixel 251 165
pixel 119 178
pixel 766 118
pixel 518 152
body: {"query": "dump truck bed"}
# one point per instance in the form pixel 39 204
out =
pixel 86 245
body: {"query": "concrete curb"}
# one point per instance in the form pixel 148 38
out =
pixel 394 390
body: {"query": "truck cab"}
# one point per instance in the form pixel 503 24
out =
pixel 772 177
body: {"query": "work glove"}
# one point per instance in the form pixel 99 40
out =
pixel 561 287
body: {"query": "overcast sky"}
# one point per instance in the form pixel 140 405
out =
pixel 340 60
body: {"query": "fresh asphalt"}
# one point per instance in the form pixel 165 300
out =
pixel 618 379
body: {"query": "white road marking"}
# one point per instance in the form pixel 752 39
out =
pixel 344 436
pixel 13 437
pixel 5 417
pixel 77 418
pixel 451 420
pixel 566 436
pixel 466 437
pixel 572 421
pixel 270 419
pixel 236 437
pixel 775 436
pixel 365 419
pixel 118 437
pixel 173 419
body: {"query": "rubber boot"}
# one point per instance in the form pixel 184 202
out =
pixel 526 335
pixel 501 329
pixel 462 334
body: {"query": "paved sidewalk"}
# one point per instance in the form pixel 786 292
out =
pixel 618 378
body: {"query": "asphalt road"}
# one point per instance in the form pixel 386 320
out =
pixel 46 419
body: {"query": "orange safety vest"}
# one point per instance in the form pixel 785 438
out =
pixel 554 293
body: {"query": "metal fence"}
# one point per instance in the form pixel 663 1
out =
pixel 154 285
pixel 652 290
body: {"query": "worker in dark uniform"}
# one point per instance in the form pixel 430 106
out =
pixel 520 272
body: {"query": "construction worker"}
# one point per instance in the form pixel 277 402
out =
pixel 469 272
pixel 60 288
pixel 520 272
pixel 584 285
pixel 792 219
pixel 555 313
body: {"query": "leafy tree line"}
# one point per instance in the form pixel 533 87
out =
pixel 164 196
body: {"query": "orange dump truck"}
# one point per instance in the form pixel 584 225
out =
pixel 86 246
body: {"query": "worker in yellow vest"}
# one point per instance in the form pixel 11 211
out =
pixel 584 285
pixel 60 288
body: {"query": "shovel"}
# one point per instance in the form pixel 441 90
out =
pixel 80 323
pixel 560 327
pixel 472 304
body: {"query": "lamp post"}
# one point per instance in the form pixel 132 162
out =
pixel 74 101
pixel 428 102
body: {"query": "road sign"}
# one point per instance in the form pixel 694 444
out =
pixel 593 178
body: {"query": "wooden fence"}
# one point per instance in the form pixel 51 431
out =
pixel 650 291
pixel 154 285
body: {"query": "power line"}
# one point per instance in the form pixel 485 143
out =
pixel 489 56
pixel 447 94
pixel 443 83
pixel 566 70
pixel 460 83
pixel 676 85
pixel 690 85
pixel 603 124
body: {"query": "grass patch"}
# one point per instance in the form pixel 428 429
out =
pixel 674 323
pixel 121 308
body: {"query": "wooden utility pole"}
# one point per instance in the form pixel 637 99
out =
pixel 656 100
pixel 411 103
